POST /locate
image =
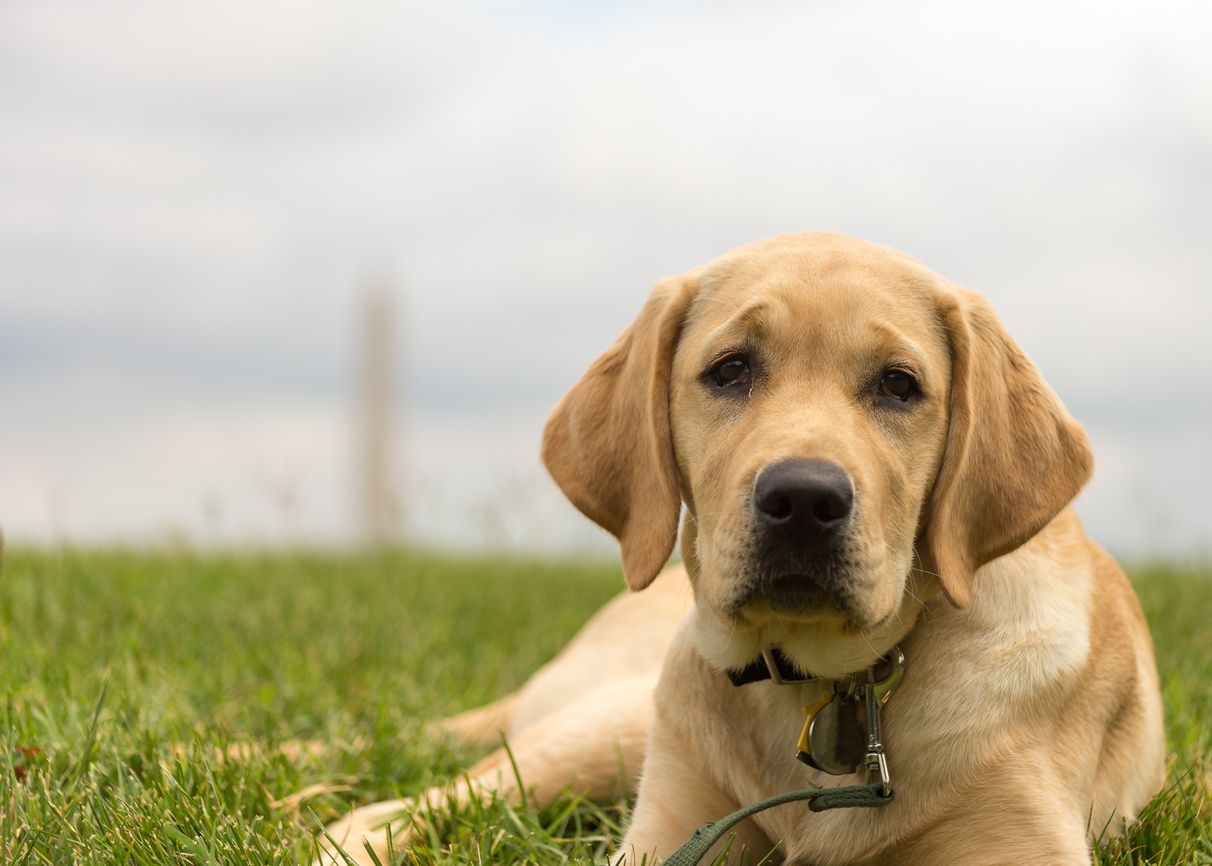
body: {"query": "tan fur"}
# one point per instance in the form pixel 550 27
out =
pixel 1030 717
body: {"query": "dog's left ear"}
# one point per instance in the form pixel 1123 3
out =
pixel 608 446
pixel 1014 456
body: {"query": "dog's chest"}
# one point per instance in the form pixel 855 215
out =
pixel 963 698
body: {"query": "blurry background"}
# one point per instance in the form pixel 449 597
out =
pixel 202 205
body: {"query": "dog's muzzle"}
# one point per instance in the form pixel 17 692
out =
pixel 802 511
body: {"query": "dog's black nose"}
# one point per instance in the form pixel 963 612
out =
pixel 803 499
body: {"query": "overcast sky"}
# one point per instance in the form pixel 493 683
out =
pixel 192 197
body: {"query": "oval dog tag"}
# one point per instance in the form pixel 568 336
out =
pixel 838 737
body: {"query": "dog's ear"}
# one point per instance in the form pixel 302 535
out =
pixel 608 446
pixel 1014 456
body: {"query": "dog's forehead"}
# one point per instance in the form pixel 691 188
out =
pixel 816 250
pixel 812 278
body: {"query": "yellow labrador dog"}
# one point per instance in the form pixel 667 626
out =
pixel 876 485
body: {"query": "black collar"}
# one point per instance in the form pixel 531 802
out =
pixel 773 665
pixel 770 665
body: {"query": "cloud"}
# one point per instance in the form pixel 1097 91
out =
pixel 192 198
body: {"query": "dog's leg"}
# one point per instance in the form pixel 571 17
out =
pixel 593 747
pixel 482 725
pixel 676 798
pixel 1016 811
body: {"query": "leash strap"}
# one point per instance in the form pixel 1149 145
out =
pixel 819 800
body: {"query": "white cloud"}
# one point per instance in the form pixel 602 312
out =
pixel 191 195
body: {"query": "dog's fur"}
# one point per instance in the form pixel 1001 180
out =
pixel 1030 717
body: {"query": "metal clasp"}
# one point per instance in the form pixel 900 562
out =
pixel 875 695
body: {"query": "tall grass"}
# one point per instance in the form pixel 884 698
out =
pixel 127 675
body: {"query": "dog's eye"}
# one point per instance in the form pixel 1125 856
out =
pixel 730 372
pixel 898 384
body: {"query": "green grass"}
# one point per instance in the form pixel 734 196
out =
pixel 131 671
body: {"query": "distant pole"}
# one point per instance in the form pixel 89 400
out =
pixel 374 456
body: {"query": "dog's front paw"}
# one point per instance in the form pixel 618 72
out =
pixel 384 828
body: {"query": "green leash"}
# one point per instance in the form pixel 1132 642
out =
pixel 878 790
pixel 819 800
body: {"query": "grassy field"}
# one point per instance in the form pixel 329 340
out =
pixel 124 675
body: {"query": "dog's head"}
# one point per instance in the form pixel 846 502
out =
pixel 847 430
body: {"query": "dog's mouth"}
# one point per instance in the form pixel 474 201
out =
pixel 795 593
pixel 796 596
pixel 816 612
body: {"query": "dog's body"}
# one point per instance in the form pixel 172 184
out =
pixel 866 460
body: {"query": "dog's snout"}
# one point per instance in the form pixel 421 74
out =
pixel 803 499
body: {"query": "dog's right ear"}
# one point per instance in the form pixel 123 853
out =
pixel 608 446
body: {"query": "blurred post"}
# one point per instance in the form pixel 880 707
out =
pixel 374 452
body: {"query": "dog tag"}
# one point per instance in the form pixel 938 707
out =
pixel 842 730
pixel 838 737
